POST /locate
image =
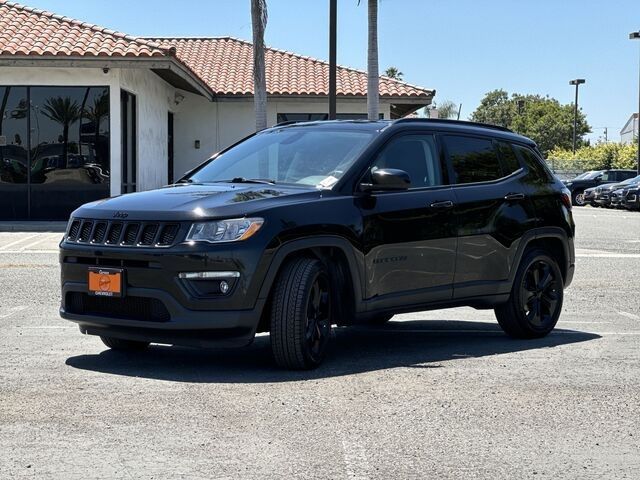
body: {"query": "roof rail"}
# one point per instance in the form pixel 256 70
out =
pixel 288 122
pixel 455 122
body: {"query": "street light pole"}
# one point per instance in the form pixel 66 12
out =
pixel 577 82
pixel 636 36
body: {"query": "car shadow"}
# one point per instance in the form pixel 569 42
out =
pixel 417 344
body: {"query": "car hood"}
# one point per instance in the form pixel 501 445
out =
pixel 190 202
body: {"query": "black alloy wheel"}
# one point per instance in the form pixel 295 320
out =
pixel 318 326
pixel 539 293
pixel 301 314
pixel 535 303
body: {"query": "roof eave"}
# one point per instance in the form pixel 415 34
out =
pixel 153 63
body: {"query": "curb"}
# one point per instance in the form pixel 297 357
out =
pixel 44 227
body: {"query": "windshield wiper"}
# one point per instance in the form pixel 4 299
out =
pixel 185 180
pixel 252 180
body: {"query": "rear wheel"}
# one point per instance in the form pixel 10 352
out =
pixel 124 345
pixel 301 314
pixel 577 198
pixel 535 302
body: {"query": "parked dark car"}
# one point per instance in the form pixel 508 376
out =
pixel 593 178
pixel 304 226
pixel 631 198
pixel 603 193
pixel 589 196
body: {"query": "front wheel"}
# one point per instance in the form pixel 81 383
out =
pixel 535 303
pixel 301 313
pixel 577 198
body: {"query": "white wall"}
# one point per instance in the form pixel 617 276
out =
pixel 219 124
pixel 154 100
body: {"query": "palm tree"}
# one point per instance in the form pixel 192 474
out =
pixel 373 80
pixel 65 112
pixel 393 72
pixel 447 109
pixel 258 25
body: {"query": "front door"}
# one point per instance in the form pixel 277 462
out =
pixel 409 236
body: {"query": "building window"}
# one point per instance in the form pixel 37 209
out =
pixel 58 137
pixel 312 117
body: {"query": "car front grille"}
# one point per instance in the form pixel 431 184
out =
pixel 122 233
pixel 129 308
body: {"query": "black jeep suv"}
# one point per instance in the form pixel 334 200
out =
pixel 304 226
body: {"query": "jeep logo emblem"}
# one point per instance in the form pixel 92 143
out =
pixel 120 215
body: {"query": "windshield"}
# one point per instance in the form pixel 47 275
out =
pixel 631 181
pixel 304 156
pixel 588 175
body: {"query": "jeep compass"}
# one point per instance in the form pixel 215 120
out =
pixel 304 226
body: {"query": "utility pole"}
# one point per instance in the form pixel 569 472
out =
pixel 636 36
pixel 577 82
pixel 333 15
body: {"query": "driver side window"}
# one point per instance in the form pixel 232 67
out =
pixel 415 154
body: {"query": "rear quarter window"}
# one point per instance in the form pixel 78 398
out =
pixel 473 159
pixel 533 163
pixel 508 159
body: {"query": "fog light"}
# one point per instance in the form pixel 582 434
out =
pixel 224 287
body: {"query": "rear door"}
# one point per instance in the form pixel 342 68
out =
pixel 409 236
pixel 492 212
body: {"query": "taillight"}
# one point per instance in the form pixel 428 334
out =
pixel 566 198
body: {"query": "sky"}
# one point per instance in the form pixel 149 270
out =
pixel 461 48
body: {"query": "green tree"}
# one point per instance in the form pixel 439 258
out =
pixel 543 119
pixel 393 72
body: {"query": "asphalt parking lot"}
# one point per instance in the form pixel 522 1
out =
pixel 440 394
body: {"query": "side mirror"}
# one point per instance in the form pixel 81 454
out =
pixel 598 178
pixel 387 179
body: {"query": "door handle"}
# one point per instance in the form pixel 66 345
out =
pixel 514 196
pixel 444 204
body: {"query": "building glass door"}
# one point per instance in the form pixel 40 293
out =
pixel 129 142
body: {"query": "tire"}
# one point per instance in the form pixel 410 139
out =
pixel 577 198
pixel 533 292
pixel 124 345
pixel 381 319
pixel 301 313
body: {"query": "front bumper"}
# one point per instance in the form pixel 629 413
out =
pixel 160 307
pixel 631 201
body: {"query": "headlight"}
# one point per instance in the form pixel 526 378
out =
pixel 224 230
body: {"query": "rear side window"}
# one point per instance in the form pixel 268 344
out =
pixel 473 159
pixel 533 163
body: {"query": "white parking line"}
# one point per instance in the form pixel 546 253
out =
pixel 355 459
pixel 632 316
pixel 16 242
pixel 607 255
pixel 28 251
pixel 12 311
pixel 49 236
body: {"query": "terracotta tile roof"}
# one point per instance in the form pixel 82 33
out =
pixel 222 65
pixel 32 32
pixel 226 65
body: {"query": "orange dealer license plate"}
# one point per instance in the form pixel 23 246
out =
pixel 106 282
